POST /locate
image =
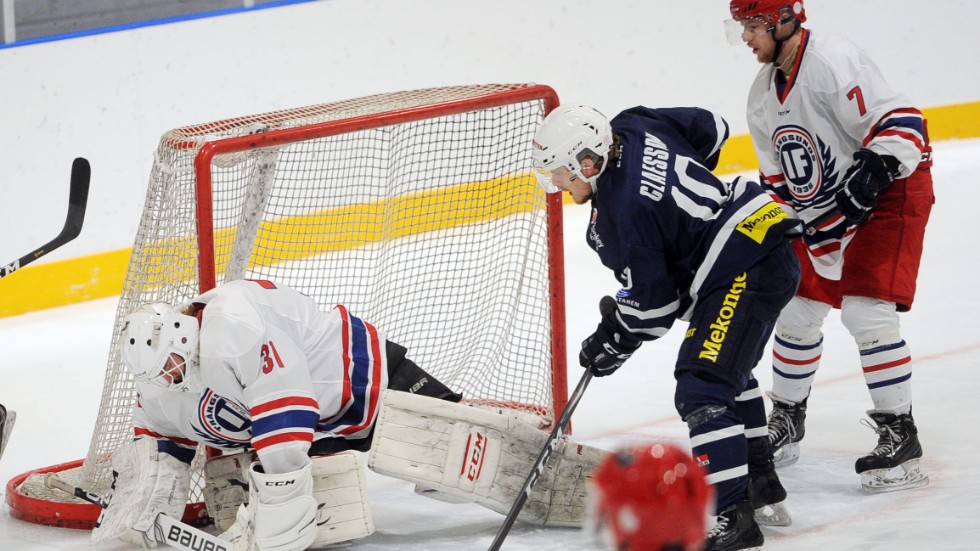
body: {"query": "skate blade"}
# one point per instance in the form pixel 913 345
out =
pixel 773 515
pixel 786 455
pixel 908 475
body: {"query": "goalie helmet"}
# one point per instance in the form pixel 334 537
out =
pixel 769 11
pixel 565 138
pixel 149 337
pixel 651 498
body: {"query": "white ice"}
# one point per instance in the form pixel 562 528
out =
pixel 53 366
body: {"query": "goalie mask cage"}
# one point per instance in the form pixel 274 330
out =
pixel 417 210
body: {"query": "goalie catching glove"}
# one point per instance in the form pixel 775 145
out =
pixel 863 183
pixel 145 483
pixel 610 346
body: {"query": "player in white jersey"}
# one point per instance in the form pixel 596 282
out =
pixel 256 365
pixel 832 137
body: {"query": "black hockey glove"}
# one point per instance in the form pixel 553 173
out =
pixel 863 183
pixel 610 346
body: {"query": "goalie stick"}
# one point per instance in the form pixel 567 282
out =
pixel 175 533
pixel 538 469
pixel 77 200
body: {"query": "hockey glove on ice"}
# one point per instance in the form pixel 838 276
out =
pixel 610 346
pixel 146 483
pixel 863 183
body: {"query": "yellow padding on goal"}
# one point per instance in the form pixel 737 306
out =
pixel 298 237
pixel 302 236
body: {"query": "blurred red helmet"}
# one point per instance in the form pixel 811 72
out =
pixel 770 11
pixel 649 498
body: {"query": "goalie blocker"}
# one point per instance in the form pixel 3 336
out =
pixel 480 456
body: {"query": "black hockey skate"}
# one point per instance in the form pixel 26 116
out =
pixel 786 429
pixel 735 530
pixel 898 447
pixel 766 492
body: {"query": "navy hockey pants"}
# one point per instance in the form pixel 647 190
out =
pixel 727 335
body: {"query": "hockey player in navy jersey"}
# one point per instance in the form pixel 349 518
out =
pixel 684 245
pixel 830 133
pixel 255 366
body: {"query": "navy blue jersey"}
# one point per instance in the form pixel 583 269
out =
pixel 667 227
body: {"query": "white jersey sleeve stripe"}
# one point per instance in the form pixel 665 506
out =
pixel 365 373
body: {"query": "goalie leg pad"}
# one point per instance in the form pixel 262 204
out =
pixel 226 486
pixel 480 456
pixel 339 487
pixel 7 419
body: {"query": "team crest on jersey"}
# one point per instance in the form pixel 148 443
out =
pixel 806 161
pixel 223 423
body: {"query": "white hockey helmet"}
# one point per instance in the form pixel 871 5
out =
pixel 566 136
pixel 150 335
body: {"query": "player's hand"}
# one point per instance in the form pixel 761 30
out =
pixel 610 346
pixel 862 184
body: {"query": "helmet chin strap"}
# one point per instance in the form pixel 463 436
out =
pixel 615 150
pixel 779 43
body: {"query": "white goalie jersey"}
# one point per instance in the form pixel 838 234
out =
pixel 806 129
pixel 276 374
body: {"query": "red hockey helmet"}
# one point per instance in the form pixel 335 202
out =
pixel 770 11
pixel 650 498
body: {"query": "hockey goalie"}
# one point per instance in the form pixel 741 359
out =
pixel 291 394
pixel 257 368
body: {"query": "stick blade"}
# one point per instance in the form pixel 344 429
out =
pixel 81 174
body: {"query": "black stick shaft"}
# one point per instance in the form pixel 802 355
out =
pixel 811 228
pixel 81 173
pixel 532 479
pixel 51 480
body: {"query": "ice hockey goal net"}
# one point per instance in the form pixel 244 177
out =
pixel 418 210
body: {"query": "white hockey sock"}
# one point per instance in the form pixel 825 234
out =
pixel 794 365
pixel 888 372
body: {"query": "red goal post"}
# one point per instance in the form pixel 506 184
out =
pixel 418 210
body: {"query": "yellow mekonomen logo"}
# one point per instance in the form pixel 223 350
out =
pixel 758 223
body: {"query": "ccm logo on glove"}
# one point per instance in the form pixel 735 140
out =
pixel 275 483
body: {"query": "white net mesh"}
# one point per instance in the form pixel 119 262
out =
pixel 423 218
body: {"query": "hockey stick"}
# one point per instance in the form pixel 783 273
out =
pixel 175 533
pixel 532 479
pixel 77 200
pixel 812 227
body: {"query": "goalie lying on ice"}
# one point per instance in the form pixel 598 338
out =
pixel 476 455
pixel 255 367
